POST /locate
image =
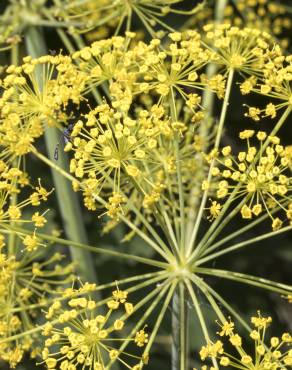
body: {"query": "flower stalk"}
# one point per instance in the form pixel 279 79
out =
pixel 192 240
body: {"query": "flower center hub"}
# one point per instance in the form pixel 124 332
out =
pixel 181 270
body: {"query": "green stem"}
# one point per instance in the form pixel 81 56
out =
pixel 92 249
pixel 180 237
pixel 200 316
pixel 160 317
pixel 55 24
pixel 226 305
pixel 240 245
pixel 157 294
pixel 183 320
pixel 179 352
pixel 208 100
pixel 16 162
pixel 247 279
pixel 219 10
pixel 240 231
pixel 175 348
pixel 216 146
pixel 67 199
pixel 202 286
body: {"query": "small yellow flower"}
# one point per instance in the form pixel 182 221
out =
pixel 141 338
pixel 214 210
pixel 227 328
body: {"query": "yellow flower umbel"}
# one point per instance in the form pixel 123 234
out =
pixel 26 281
pixel 275 84
pixel 261 177
pixel 78 335
pixel 28 272
pixel 126 160
pixel 244 50
pixel 264 15
pixel 105 16
pixel 173 70
pixel 107 60
pixel 11 181
pixel 28 102
pixel 133 69
pixel 28 97
pixel 270 16
pixel 111 148
pixel 18 136
pixel 272 355
pixel 126 148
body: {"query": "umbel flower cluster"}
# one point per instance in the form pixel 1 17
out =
pixel 27 103
pixel 85 338
pixel 133 148
pixel 259 175
pixel 28 272
pixel 141 129
pixel 267 15
pixel 273 355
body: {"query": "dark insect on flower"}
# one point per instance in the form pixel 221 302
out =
pixel 65 139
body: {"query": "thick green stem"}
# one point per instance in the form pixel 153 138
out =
pixel 184 325
pixel 175 332
pixel 180 353
pixel 219 10
pixel 67 199
pixel 16 162
pixel 180 332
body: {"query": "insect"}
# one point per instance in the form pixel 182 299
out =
pixel 65 138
